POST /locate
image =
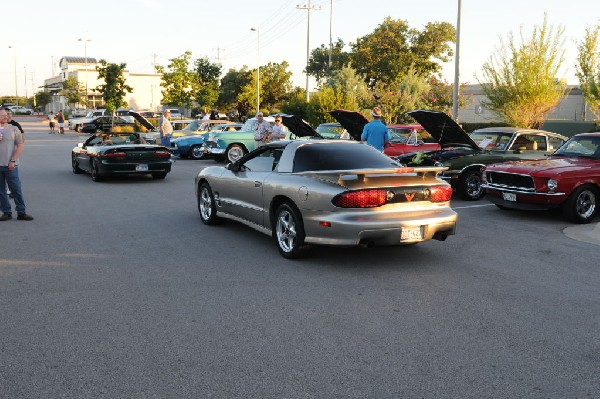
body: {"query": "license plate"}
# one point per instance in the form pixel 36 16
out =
pixel 142 167
pixel 509 197
pixel 411 233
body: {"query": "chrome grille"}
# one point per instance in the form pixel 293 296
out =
pixel 517 181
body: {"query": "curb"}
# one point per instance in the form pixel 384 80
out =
pixel 589 233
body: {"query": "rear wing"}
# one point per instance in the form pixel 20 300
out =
pixel 362 174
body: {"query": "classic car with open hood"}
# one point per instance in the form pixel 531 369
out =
pixel 568 179
pixel 466 155
pixel 403 138
pixel 234 145
pixel 327 192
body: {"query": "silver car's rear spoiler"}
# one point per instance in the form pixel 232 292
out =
pixel 361 174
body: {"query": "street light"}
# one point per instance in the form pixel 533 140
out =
pixel 257 68
pixel 16 81
pixel 85 42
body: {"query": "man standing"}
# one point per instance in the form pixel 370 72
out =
pixel 11 146
pixel 165 129
pixel 60 118
pixel 279 130
pixel 13 122
pixel 375 133
pixel 263 129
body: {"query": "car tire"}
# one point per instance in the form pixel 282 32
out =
pixel 469 185
pixel 196 153
pixel 95 170
pixel 235 152
pixel 206 205
pixel 582 204
pixel 288 231
pixel 75 165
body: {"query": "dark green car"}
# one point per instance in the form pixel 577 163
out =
pixel 466 155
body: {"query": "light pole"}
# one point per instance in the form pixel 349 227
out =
pixel 456 66
pixel 26 94
pixel 308 8
pixel 257 68
pixel 85 42
pixel 16 80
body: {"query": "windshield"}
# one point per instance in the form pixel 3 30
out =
pixel 193 127
pixel 491 140
pixel 583 146
pixel 329 128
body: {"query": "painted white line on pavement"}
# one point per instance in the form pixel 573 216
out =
pixel 470 206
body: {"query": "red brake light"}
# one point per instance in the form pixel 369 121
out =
pixel 440 193
pixel 361 199
pixel 115 155
pixel 162 154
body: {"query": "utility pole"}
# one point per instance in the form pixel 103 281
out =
pixel 16 79
pixel 308 8
pixel 26 94
pixel 330 36
pixel 456 66
pixel 257 68
pixel 33 89
pixel 219 54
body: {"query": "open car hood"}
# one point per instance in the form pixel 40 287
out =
pixel 352 121
pixel 143 121
pixel 298 126
pixel 443 128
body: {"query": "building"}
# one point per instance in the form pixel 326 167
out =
pixel 146 92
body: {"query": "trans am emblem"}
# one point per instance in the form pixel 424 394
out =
pixel 409 196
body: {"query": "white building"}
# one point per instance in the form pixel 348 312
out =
pixel 146 92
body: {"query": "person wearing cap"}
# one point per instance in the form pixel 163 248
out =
pixel 375 133
pixel 263 130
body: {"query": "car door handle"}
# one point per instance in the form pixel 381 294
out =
pixel 257 184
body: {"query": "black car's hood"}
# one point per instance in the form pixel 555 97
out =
pixel 143 121
pixel 443 128
pixel 352 121
pixel 298 126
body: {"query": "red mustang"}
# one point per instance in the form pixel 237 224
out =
pixel 569 179
pixel 404 139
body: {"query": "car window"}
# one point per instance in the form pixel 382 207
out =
pixel 554 143
pixel 492 140
pixel 264 161
pixel 338 156
pixel 576 146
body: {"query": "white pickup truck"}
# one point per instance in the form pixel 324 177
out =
pixel 76 123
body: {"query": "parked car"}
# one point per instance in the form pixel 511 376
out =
pixel 20 110
pixel 568 179
pixel 124 113
pixel 403 138
pixel 76 123
pixel 103 155
pixel 327 192
pixel 104 124
pixel 79 112
pixel 465 155
pixel 196 126
pixel 333 130
pixel 192 146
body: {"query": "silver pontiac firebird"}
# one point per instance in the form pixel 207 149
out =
pixel 327 192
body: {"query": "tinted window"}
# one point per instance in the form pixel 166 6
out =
pixel 340 157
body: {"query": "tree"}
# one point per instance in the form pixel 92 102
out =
pixel 387 54
pixel 318 62
pixel 276 84
pixel 72 91
pixel 520 80
pixel 230 93
pixel 587 68
pixel 351 91
pixel 43 98
pixel 208 76
pixel 114 88
pixel 180 83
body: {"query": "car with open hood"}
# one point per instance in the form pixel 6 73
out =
pixel 568 179
pixel 110 154
pixel 403 138
pixel 192 145
pixel 234 145
pixel 326 192
pixel 466 155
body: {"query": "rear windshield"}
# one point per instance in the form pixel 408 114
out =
pixel 340 156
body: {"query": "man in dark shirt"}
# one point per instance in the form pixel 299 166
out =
pixel 13 122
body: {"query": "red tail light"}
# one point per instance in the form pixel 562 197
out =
pixel 115 155
pixel 440 193
pixel 361 199
pixel 162 154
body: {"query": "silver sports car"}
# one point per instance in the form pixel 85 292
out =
pixel 327 192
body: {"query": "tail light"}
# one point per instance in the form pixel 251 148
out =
pixel 360 199
pixel 115 155
pixel 162 154
pixel 440 193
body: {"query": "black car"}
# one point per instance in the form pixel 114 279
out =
pixel 104 124
pixel 105 154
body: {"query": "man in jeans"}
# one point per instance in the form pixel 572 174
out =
pixel 11 146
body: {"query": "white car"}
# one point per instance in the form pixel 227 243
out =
pixel 20 110
pixel 76 123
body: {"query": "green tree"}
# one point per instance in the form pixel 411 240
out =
pixel 180 83
pixel 520 79
pixel 73 91
pixel 230 91
pixel 587 68
pixel 208 74
pixel 43 98
pixel 407 94
pixel 276 85
pixel 387 54
pixel 318 62
pixel 296 103
pixel 351 91
pixel 114 88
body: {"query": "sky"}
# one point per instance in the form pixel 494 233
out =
pixel 142 33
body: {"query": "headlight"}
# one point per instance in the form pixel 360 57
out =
pixel 552 184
